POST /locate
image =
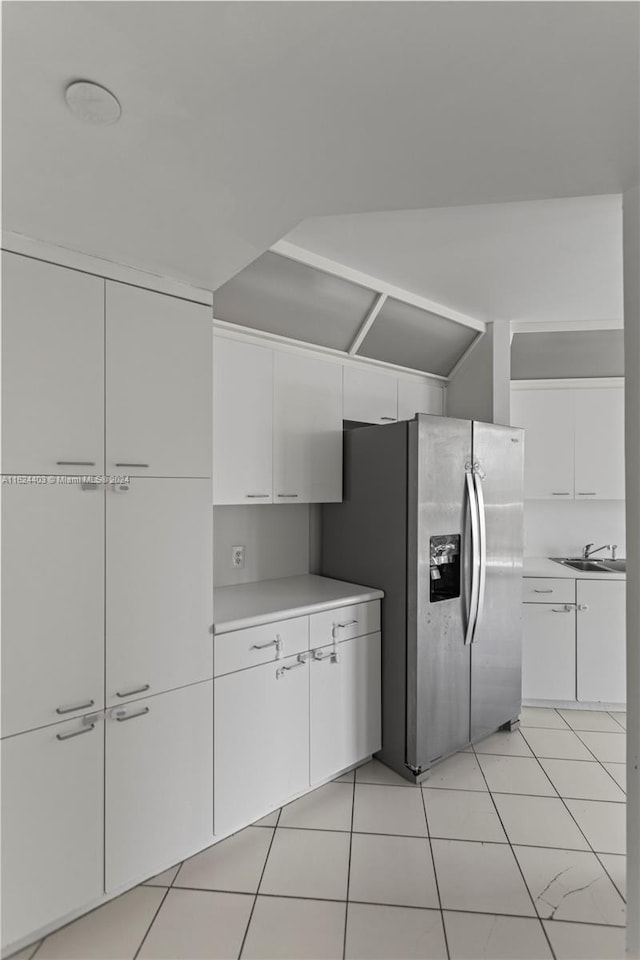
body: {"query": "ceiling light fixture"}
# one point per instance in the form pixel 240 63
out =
pixel 91 102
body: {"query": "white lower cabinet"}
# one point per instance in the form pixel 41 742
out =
pixel 549 651
pixel 601 638
pixel 344 705
pixel 159 782
pixel 262 740
pixel 52 830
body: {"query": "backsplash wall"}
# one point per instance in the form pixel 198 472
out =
pixel 276 538
pixel 561 529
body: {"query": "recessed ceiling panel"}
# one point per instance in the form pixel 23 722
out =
pixel 282 296
pixel 410 337
pixel 575 353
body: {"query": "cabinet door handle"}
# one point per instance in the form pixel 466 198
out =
pixel 131 693
pixel 300 662
pixel 390 419
pixel 136 465
pixel 341 626
pixel 583 606
pixel 75 463
pixel 288 496
pixel 256 496
pixel 79 706
pixel 332 656
pixel 75 733
pixel 566 609
pixel 132 716
pixel 556 494
pixel 277 643
pixel 587 493
pixel 542 591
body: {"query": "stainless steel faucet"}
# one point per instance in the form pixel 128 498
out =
pixel 588 552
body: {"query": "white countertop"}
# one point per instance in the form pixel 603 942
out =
pixel 544 567
pixel 250 604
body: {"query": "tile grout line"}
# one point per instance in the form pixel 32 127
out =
pixel 153 920
pixel 255 898
pixel 599 856
pixel 346 908
pixel 536 912
pixel 435 876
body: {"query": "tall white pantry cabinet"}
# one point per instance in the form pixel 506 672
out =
pixel 107 660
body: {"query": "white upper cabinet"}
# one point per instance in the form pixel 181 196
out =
pixel 548 418
pixel 418 396
pixel 369 396
pixel 159 587
pixel 242 422
pixel 599 444
pixel 52 368
pixel 307 416
pixel 158 369
pixel 53 603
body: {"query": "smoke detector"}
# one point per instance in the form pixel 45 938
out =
pixel 92 103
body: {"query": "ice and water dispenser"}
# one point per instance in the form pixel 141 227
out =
pixel 444 567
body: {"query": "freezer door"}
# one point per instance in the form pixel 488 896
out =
pixel 438 661
pixel 496 651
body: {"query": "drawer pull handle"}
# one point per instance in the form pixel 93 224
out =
pixel 257 496
pixel 542 591
pixel 562 494
pixel 288 496
pixel 132 716
pixel 132 693
pixel 391 419
pixel 138 466
pixel 332 657
pixel 300 662
pixel 277 643
pixel 75 463
pixel 76 733
pixel 587 493
pixel 79 706
pixel 341 626
pixel 566 609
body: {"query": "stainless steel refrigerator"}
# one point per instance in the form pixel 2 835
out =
pixel 433 515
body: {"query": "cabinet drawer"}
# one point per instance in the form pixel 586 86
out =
pixel 249 648
pixel 548 590
pixel 352 621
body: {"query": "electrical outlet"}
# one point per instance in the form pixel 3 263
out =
pixel 237 557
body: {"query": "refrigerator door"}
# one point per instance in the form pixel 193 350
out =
pixel 496 651
pixel 438 660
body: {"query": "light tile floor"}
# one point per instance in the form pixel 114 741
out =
pixel 512 850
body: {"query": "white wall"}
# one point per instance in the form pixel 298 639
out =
pixel 481 387
pixel 561 529
pixel 276 540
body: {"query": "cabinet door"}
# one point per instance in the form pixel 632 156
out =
pixel 53 603
pixel 418 396
pixel 601 641
pixel 158 369
pixel 547 417
pixel 369 397
pixel 261 741
pixel 549 652
pixel 242 422
pixel 307 421
pixel 599 444
pixel 52 368
pixel 52 827
pixel 345 705
pixel 159 587
pixel 159 782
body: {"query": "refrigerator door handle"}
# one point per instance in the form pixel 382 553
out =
pixel 475 554
pixel 478 477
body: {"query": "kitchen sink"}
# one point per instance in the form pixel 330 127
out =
pixel 592 565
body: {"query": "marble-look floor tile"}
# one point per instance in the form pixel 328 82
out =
pixel 516 775
pixel 462 815
pixel 383 809
pixel 505 744
pixel 538 821
pixel 590 720
pixel 557 744
pixel 164 879
pixel 480 877
pixel 570 885
pixel 460 772
pixel 620 717
pixel 616 866
pixel 392 870
pixel 619 773
pixel 326 808
pixel 284 928
pixel 307 863
pixel 381 933
pixel 582 941
pixel 194 924
pixel 474 935
pixel 541 717
pixel 606 747
pixel 233 865
pixel 581 780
